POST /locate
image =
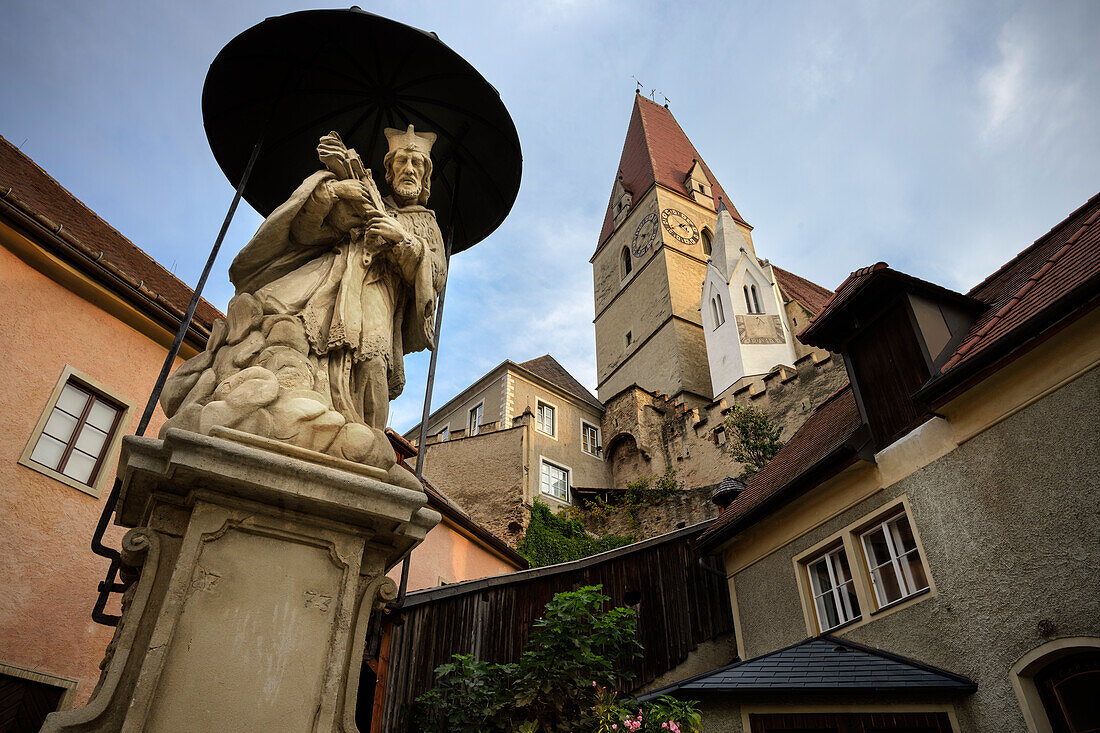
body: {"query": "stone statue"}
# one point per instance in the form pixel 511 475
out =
pixel 336 286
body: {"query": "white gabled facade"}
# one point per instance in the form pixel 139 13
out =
pixel 745 325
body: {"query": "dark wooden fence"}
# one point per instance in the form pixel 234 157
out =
pixel 679 603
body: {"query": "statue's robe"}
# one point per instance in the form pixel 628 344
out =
pixel 362 302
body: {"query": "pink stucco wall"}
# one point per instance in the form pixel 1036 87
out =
pixel 449 556
pixel 48 574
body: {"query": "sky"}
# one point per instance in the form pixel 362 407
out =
pixel 940 137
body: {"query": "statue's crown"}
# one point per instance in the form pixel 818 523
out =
pixel 409 139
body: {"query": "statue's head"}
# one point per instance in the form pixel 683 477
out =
pixel 408 165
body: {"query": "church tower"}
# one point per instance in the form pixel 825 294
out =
pixel 651 261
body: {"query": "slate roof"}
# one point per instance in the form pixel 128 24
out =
pixel 825 435
pixel 549 369
pixel 656 150
pixel 823 664
pixel 37 195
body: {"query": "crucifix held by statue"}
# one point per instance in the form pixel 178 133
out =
pixel 336 286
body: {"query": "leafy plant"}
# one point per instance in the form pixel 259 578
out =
pixel 552 539
pixel 754 438
pixel 575 652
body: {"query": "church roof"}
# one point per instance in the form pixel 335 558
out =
pixel 657 151
pixel 549 369
pixel 810 294
pixel 94 244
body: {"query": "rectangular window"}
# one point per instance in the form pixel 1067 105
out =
pixel 444 433
pixel 77 434
pixel 546 418
pixel 555 481
pixel 893 560
pixel 835 600
pixel 590 439
pixel 475 420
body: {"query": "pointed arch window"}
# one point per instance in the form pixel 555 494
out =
pixel 626 264
pixel 748 300
pixel 756 301
pixel 707 246
pixel 719 312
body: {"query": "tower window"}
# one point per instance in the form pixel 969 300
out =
pixel 719 312
pixel 706 242
pixel 629 338
pixel 756 301
pixel 627 265
pixel 748 300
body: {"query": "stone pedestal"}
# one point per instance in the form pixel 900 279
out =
pixel 258 569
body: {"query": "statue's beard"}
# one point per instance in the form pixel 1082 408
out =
pixel 408 191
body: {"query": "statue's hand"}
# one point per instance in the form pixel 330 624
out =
pixel 388 228
pixel 350 190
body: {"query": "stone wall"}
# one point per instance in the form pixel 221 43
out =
pixel 645 433
pixel 484 475
pixel 1003 520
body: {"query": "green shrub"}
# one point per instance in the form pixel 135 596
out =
pixel 754 438
pixel 551 539
pixel 574 652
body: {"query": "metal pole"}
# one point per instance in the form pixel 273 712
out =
pixel 109 585
pixel 428 388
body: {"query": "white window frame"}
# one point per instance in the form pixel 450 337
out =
pixel 543 463
pixel 904 582
pixel 598 448
pixel 114 440
pixel 539 405
pixel 830 557
pixel 474 427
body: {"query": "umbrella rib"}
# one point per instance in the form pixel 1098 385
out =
pixel 461 110
pixel 312 123
pixel 433 77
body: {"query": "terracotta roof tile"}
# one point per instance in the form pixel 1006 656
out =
pixel 830 426
pixel 656 150
pixel 810 294
pixel 38 193
pixel 549 369
pixel 1063 259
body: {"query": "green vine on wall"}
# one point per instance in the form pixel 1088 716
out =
pixel 555 538
pixel 646 491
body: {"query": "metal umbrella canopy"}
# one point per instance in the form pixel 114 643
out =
pixel 275 89
pixel 293 78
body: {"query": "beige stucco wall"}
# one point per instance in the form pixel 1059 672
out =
pixel 486 476
pixel 49 574
pixel 1001 494
pixel 490 390
pixel 448 555
pixel 564 448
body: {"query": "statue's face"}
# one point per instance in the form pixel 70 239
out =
pixel 408 169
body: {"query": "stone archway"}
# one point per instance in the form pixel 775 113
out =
pixel 629 461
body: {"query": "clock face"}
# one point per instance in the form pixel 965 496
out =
pixel 680 226
pixel 644 235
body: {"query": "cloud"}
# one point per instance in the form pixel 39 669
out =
pixel 1025 93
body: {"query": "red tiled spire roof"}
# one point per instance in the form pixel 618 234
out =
pixel 657 151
